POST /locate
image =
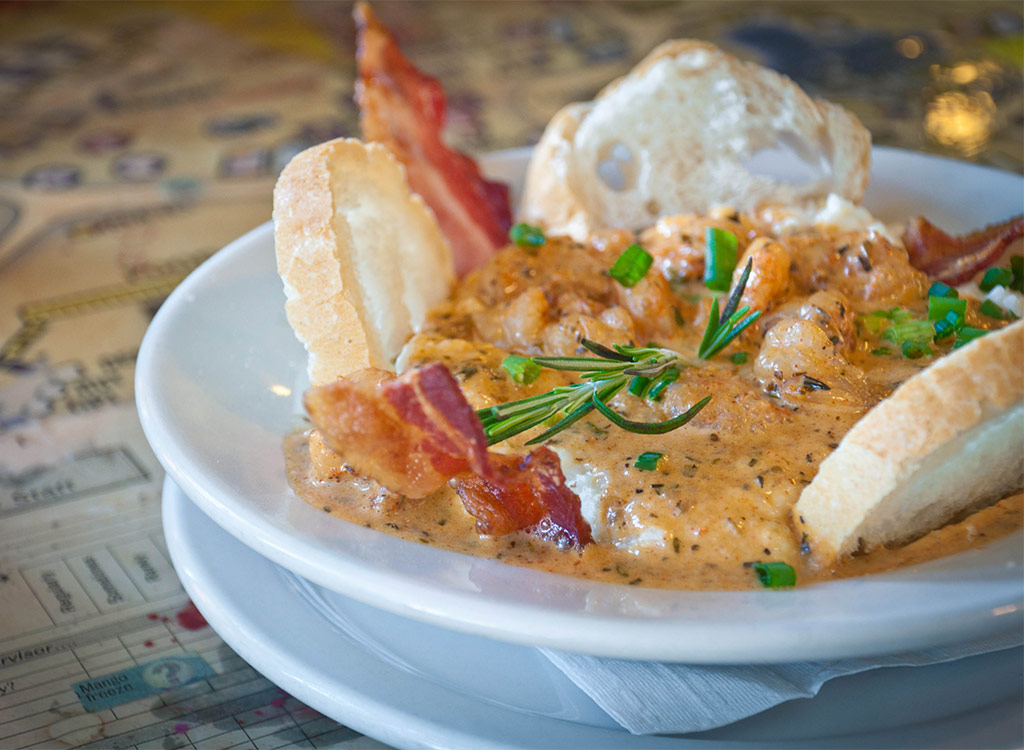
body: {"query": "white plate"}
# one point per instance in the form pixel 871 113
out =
pixel 218 382
pixel 414 685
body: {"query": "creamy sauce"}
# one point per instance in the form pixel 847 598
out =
pixel 722 497
pixel 440 521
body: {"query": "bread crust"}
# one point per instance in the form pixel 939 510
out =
pixel 709 167
pixel 547 199
pixel 361 257
pixel 843 507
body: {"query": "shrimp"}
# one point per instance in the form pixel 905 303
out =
pixel 830 310
pixel 769 274
pixel 677 242
pixel 798 363
pixel 650 303
pixel 864 266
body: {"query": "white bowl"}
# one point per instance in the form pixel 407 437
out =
pixel 218 382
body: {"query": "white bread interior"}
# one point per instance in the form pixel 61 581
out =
pixel 689 120
pixel 948 441
pixel 362 258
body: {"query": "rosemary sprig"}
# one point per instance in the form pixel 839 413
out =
pixel 646 371
pixel 722 330
pixel 602 377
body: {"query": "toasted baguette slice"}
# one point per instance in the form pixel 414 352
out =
pixel 361 257
pixel 948 441
pixel 681 131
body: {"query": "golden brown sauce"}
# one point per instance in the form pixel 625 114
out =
pixel 441 521
pixel 722 497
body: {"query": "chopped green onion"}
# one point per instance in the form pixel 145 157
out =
pixel 895 314
pixel 522 369
pixel 920 331
pixel 638 385
pixel 878 321
pixel 991 309
pixel 996 277
pixel 938 289
pixel 774 575
pixel 739 358
pixel 526 235
pixel 719 259
pixel 648 461
pixel 939 306
pixel 882 351
pixel 875 323
pixel 948 325
pixel 1017 266
pixel 631 266
pixel 967 334
pixel 914 350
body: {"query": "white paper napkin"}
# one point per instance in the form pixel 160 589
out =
pixel 654 697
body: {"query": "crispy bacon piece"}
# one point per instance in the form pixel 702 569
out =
pixel 955 260
pixel 411 434
pixel 414 433
pixel 404 109
pixel 527 492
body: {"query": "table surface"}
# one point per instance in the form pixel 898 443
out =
pixel 138 138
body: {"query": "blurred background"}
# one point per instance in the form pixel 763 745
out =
pixel 136 138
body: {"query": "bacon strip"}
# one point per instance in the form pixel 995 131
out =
pixel 404 109
pixel 414 433
pixel 528 492
pixel 955 260
pixel 393 429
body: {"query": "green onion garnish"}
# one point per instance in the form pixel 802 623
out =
pixel 522 369
pixel 1017 266
pixel 719 258
pixel 875 322
pixel 920 331
pixel 648 461
pixel 996 277
pixel 774 575
pixel 631 266
pixel 882 351
pixel 967 334
pixel 938 289
pixel 879 320
pixel 914 350
pixel 948 325
pixel 991 309
pixel 939 306
pixel 898 315
pixel 526 235
pixel 655 389
pixel 638 385
pixel 739 358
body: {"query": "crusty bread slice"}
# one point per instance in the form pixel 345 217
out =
pixel 681 133
pixel 361 257
pixel 948 441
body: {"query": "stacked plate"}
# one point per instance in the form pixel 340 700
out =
pixel 403 641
